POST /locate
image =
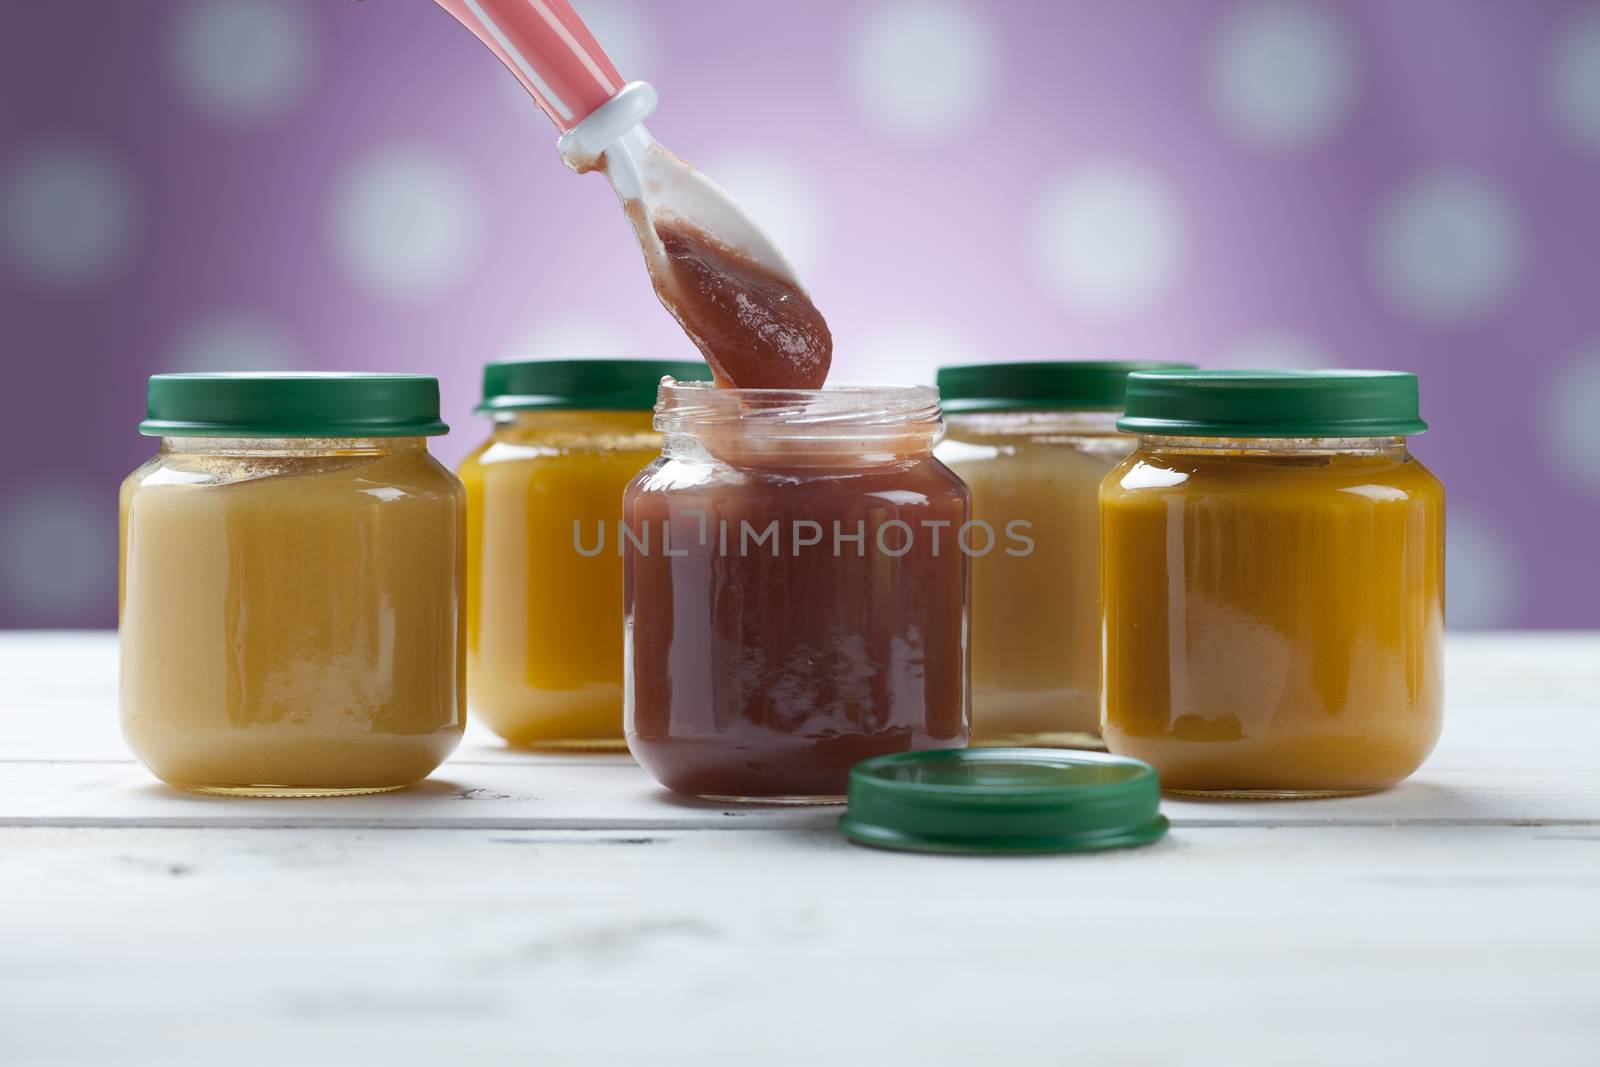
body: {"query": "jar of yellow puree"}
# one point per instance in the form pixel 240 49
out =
pixel 292 569
pixel 544 499
pixel 1033 440
pixel 1273 583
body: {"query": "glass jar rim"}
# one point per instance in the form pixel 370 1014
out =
pixel 860 410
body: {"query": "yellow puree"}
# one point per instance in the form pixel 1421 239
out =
pixel 1035 618
pixel 1273 623
pixel 291 624
pixel 544 626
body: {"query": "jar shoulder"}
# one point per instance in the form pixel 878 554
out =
pixel 1378 479
pixel 386 477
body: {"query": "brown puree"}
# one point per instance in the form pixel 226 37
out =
pixel 756 328
pixel 769 670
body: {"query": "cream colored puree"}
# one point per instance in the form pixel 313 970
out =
pixel 1035 629
pixel 290 623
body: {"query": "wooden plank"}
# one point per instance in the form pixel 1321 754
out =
pixel 1522 730
pixel 612 794
pixel 1245 946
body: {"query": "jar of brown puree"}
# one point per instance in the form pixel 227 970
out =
pixel 291 586
pixel 795 588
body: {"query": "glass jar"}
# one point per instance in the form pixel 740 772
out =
pixel 796 589
pixel 1273 583
pixel 1033 441
pixel 544 617
pixel 291 586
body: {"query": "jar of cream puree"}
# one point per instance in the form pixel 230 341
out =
pixel 292 571
pixel 1272 561
pixel 796 574
pixel 1032 441
pixel 544 581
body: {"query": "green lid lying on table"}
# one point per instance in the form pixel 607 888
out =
pixel 1003 800
pixel 582 384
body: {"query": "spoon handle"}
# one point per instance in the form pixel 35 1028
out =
pixel 547 46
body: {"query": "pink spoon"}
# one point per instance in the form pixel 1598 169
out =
pixel 548 48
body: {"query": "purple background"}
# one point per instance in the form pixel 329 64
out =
pixel 194 184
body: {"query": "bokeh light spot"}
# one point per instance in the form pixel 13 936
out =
pixel 907 351
pixel 1483 574
pixel 69 215
pixel 1282 74
pixel 1446 247
pixel 573 339
pixel 924 69
pixel 1571 420
pixel 242 60
pixel 1275 350
pixel 1108 239
pixel 1575 79
pixel 234 341
pixel 58 552
pixel 407 223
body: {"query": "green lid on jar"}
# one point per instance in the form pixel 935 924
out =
pixel 1003 801
pixel 1025 386
pixel 582 384
pixel 292 405
pixel 1265 403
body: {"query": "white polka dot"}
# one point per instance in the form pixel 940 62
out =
pixel 925 69
pixel 571 339
pixel 780 197
pixel 902 352
pixel 69 216
pixel 1482 574
pixel 1109 238
pixel 1282 74
pixel 1447 247
pixel 234 341
pixel 58 552
pixel 1571 420
pixel 406 222
pixel 240 60
pixel 1575 79
pixel 1275 350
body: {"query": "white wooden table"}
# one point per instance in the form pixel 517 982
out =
pixel 537 909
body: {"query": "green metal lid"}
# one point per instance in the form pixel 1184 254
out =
pixel 1267 403
pixel 1020 386
pixel 1003 800
pixel 293 405
pixel 591 384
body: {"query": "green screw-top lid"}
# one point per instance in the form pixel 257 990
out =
pixel 1003 800
pixel 1023 386
pixel 591 384
pixel 1268 403
pixel 293 405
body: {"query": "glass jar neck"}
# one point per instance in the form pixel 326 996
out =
pixel 291 446
pixel 840 427
pixel 1050 422
pixel 1280 446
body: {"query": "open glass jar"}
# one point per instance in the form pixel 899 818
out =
pixel 291 586
pixel 796 569
pixel 544 621
pixel 1273 583
pixel 1033 441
